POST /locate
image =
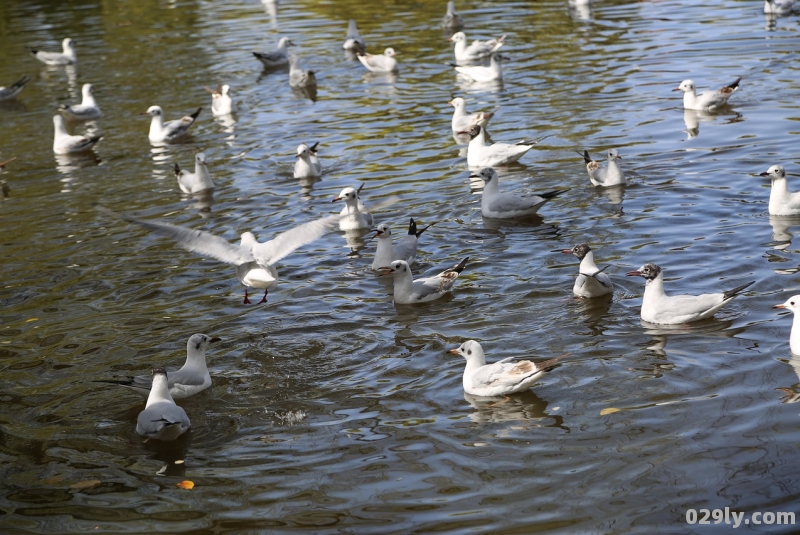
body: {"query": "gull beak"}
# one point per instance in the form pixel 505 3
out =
pixel 464 133
pixel 453 351
pixel 764 174
pixel 215 339
pixel 450 102
pixel 296 155
pixel 634 273
pixel 618 156
pixel 385 270
pixel 779 306
pixel 473 175
pixel 336 199
pixel 569 251
pixel 676 89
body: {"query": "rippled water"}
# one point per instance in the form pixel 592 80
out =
pixel 333 409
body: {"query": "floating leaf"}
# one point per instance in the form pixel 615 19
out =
pixel 89 483
pixel 31 319
pixel 185 484
pixel 53 479
pixel 609 410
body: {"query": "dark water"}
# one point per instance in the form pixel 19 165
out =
pixel 332 409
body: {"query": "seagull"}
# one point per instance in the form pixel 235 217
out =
pixel 479 73
pixel 500 378
pixel 354 215
pixel 499 205
pixel 64 143
pixel 86 110
pixel 781 200
pixel 253 260
pixel 591 281
pixel 609 176
pixel 161 132
pixel 406 250
pixel 298 77
pixel 793 304
pixel 7 93
pixel 221 101
pixel 408 291
pixel 195 182
pixel 379 63
pixel 462 121
pixel 279 57
pixel 477 50
pixel 192 378
pixel 452 20
pixel 784 7
pixel 67 57
pixel 161 418
pixel 354 41
pixel 658 307
pixel 707 100
pixel 479 154
pixel 307 164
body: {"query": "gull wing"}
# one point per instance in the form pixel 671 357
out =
pixel 504 373
pixel 511 203
pixel 287 242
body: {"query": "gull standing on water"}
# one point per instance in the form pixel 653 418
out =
pixel 354 42
pixel 708 99
pixel 793 305
pixel 192 378
pixel 407 290
pixel 278 57
pixel 463 121
pixel 477 50
pixel 499 205
pixel 195 182
pixel 64 143
pixel 781 201
pixel 406 249
pixel 452 20
pixel 379 62
pixel 499 378
pixel 591 281
pixel 161 418
pixel 161 132
pixel 86 110
pixel 658 307
pixel 608 176
pixel 479 154
pixel 481 74
pixel 307 164
pixel 66 57
pixel 221 101
pixel 354 215
pixel 7 93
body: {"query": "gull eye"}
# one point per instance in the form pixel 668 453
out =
pixel 792 303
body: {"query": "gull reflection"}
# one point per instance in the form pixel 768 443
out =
pixel 227 122
pixel 792 394
pixel 614 194
pixel 781 236
pixel 271 9
pixel 469 85
pixel 580 9
pixel 524 406
pixel 355 240
pixel 308 92
pixel 172 454
pixel 203 201
pixel 307 185
pixel 69 164
pixel 770 22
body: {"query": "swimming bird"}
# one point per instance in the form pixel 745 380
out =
pixel 65 57
pixel 161 132
pixel 591 281
pixel 253 260
pixel 354 42
pixel 64 143
pixel 708 99
pixel 784 7
pixel 463 121
pixel 299 77
pixel 195 182
pixel 221 101
pixel 407 290
pixel 477 50
pixel 7 93
pixel 452 20
pixel 86 110
pixel 161 418
pixel 193 377
pixel 479 154
pixel 793 305
pixel 499 378
pixel 608 176
pixel 781 200
pixel 499 205
pixel 307 164
pixel 658 307
pixel 354 215
pixel 406 249
pixel 379 62
pixel 479 73
pixel 278 57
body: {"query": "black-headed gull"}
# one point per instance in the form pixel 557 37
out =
pixel 161 132
pixel 479 154
pixel 658 307
pixel 463 121
pixel 781 200
pixel 195 182
pixel 278 57
pixel 7 93
pixel 498 205
pixel 499 378
pixel 354 215
pixel 477 50
pixel 354 42
pixel 780 8
pixel 591 281
pixel 191 378
pixel 452 20
pixel 608 176
pixel 307 164
pixel 221 101
pixel 298 77
pixel 379 62
pixel 793 305
pixel 408 290
pixel 253 260
pixel 64 143
pixel 161 418
pixel 708 99
pixel 406 249
pixel 86 110
pixel 479 73
pixel 66 57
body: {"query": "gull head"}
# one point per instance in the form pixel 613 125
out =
pixel 473 132
pixel 348 195
pixel 200 158
pixel 398 268
pixel 613 155
pixel 470 350
pixel 389 52
pixel 686 86
pixel 154 111
pixel 487 174
pixel 776 171
pixel 458 37
pixel 580 251
pixel 284 42
pixel 648 271
pixel 198 343
pixel 67 44
pixel 158 372
pixel 225 89
pixel 302 150
pixel 383 231
pixel 457 102
pixel 87 89
pixel 792 304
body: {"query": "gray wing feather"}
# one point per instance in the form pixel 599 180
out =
pixel 507 203
pixel 287 242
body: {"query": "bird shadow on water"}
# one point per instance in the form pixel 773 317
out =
pixel 69 164
pixel 172 454
pixel 521 407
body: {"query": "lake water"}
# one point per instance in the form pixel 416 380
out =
pixel 332 409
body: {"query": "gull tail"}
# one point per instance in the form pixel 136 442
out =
pixel 195 114
pixel 177 170
pixel 552 194
pixel 412 228
pixel 730 294
pixel 534 142
pixel 548 365
pixel 3 164
pixel 735 85
pixel 586 158
pixel 95 139
pixel 458 268
pixel 21 82
pixel 313 148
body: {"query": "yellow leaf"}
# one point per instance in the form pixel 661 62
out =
pixel 609 410
pixel 186 484
pixel 89 483
pixel 31 319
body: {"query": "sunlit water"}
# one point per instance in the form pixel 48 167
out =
pixel 332 409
